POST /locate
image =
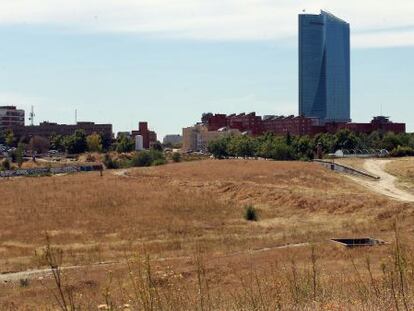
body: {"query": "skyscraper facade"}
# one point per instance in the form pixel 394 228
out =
pixel 324 67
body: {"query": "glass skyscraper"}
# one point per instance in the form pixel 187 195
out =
pixel 324 67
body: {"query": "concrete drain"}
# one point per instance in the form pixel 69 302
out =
pixel 357 242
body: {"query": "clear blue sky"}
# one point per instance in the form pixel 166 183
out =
pixel 167 64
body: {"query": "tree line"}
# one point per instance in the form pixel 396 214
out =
pixel 290 147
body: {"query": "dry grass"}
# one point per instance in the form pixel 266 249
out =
pixel 403 168
pixel 180 210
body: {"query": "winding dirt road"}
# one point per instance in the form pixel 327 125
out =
pixel 386 185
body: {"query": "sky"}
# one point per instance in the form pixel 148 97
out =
pixel 168 61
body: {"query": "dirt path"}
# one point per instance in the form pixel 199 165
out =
pixel 386 185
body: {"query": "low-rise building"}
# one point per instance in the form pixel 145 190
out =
pixel 47 129
pixel 197 137
pixel 10 117
pixel 173 139
pixel 148 137
pixel 294 125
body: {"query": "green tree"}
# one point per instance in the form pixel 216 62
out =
pixel 94 143
pixel 157 146
pixel 176 157
pixel 304 148
pixel 391 141
pixel 241 146
pixel 219 147
pixel 9 138
pixel 345 139
pixel 2 137
pixel 76 143
pixel 106 141
pixel 124 144
pixel 19 155
pixel 5 164
pixel 57 142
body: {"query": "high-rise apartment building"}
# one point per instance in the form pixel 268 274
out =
pixel 10 116
pixel 324 67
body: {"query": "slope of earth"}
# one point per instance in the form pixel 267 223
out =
pixel 173 211
pixel 403 169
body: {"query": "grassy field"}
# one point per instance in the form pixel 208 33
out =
pixel 188 219
pixel 403 168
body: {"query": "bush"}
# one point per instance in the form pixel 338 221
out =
pixel 159 162
pixel 109 163
pixel 402 152
pixel 176 157
pixel 142 158
pixel 250 213
pixel 5 165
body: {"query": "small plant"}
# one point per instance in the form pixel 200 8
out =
pixel 5 165
pixel 250 213
pixel 109 163
pixel 24 282
pixel 158 162
pixel 176 157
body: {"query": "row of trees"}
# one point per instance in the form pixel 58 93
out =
pixel 76 143
pixel 303 147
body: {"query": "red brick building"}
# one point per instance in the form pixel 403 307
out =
pixel 148 137
pixel 297 126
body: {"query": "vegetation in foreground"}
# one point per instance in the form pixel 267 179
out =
pixel 299 283
pixel 304 147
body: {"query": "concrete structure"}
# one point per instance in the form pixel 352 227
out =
pixel 47 129
pixel 148 137
pixel 197 137
pixel 324 67
pixel 173 139
pixel 139 143
pixel 10 117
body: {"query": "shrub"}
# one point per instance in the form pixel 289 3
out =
pixel 401 151
pixel 142 158
pixel 250 213
pixel 109 162
pixel 159 162
pixel 176 157
pixel 5 165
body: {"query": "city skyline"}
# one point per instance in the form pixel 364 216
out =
pixel 85 58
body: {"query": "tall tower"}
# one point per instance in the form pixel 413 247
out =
pixel 324 67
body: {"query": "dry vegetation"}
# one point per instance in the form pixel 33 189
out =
pixel 403 168
pixel 188 218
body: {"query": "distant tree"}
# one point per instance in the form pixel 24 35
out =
pixel 219 147
pixel 94 143
pixel 288 139
pixel 391 141
pixel 5 164
pixel 157 146
pixel 39 144
pixel 106 141
pixel 2 137
pixel 9 138
pixel 345 139
pixel 57 142
pixel 242 146
pixel 19 155
pixel 124 144
pixel 303 147
pixel 176 157
pixel 76 143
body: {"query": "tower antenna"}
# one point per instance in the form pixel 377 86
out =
pixel 31 116
pixel 76 116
